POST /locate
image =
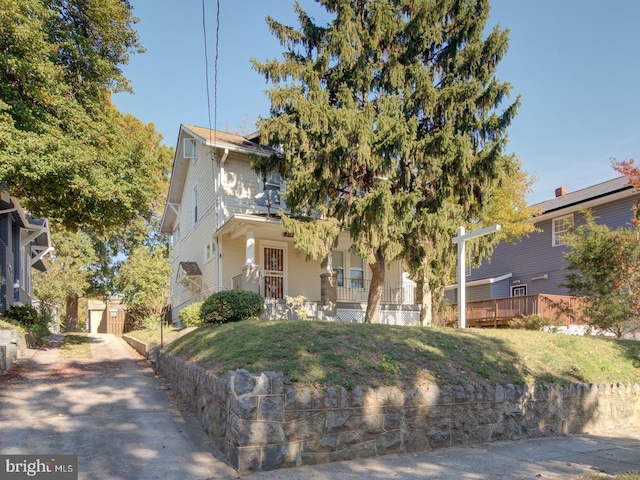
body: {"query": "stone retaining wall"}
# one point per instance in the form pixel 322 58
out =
pixel 12 345
pixel 259 423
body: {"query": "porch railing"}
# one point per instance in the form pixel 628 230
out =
pixel 357 290
pixel 352 290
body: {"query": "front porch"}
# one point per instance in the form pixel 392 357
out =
pixel 342 299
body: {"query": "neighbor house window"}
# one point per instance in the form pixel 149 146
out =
pixel 561 227
pixel 338 267
pixel 518 291
pixel 357 271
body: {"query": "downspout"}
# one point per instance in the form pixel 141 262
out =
pixel 221 187
pixel 220 213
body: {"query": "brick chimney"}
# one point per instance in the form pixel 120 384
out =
pixel 561 191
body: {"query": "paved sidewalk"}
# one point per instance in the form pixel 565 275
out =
pixel 112 411
pixel 560 458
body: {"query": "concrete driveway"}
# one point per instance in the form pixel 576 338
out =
pixel 112 411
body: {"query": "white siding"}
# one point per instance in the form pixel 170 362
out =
pixel 193 238
pixel 241 185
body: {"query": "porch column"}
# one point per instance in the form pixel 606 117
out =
pixel 250 248
pixel 250 270
pixel 328 292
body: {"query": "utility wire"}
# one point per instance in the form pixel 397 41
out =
pixel 215 78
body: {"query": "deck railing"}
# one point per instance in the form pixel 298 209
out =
pixel 564 308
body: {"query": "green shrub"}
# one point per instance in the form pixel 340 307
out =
pixel 231 306
pixel 532 322
pixel 190 315
pixel 25 315
pixel 296 309
pixel 27 320
pixel 151 322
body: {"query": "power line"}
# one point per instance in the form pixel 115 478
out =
pixel 215 74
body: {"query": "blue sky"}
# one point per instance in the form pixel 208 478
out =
pixel 575 63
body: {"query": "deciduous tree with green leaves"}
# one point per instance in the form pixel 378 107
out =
pixel 65 150
pixel 604 267
pixel 69 274
pixel 61 140
pixel 143 280
pixel 389 118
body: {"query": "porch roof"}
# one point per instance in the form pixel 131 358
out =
pixel 482 281
pixel 238 224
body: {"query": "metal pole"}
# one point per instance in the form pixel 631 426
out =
pixel 462 288
pixel 461 270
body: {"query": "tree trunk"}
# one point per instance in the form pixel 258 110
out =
pixel 425 301
pixel 375 289
pixel 71 318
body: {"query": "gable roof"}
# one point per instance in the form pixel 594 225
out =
pixel 589 197
pixel 228 142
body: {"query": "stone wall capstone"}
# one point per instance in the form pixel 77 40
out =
pixel 261 423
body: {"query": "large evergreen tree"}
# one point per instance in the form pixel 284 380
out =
pixel 389 121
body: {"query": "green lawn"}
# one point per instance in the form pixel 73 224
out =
pixel 152 337
pixel 76 345
pixel 345 354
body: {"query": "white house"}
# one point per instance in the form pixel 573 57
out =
pixel 226 234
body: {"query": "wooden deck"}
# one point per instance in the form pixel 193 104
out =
pixel 497 312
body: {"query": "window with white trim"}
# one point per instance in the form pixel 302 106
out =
pixel 338 267
pixel 561 227
pixel 194 205
pixel 356 271
pixel 209 250
pixel 272 188
pixel 518 290
pixel 189 148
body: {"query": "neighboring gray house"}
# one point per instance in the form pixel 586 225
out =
pixel 535 264
pixel 24 242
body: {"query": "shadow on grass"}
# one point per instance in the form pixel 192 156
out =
pixel 345 354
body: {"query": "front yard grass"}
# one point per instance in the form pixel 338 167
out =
pixel 347 354
pixel 152 337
